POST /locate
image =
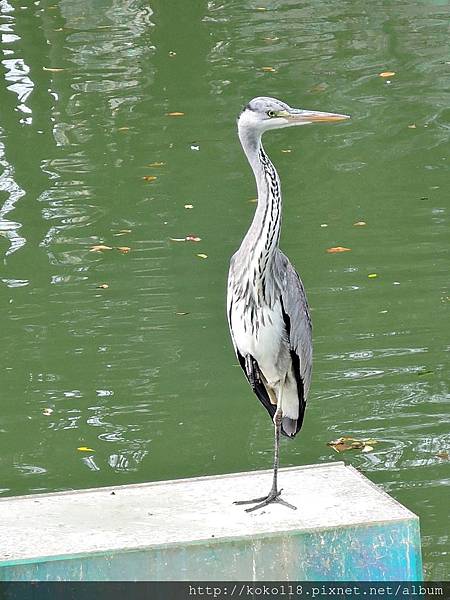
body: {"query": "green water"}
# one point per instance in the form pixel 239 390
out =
pixel 142 372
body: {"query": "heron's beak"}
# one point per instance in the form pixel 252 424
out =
pixel 299 117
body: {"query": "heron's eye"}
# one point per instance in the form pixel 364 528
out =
pixel 271 113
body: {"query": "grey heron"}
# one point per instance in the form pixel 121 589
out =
pixel 267 309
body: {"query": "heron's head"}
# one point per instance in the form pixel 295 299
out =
pixel 263 113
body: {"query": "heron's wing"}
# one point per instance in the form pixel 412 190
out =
pixel 248 364
pixel 298 327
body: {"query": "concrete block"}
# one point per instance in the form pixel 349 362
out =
pixel 344 528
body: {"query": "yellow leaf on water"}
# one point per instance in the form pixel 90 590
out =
pixel 123 249
pixel 268 70
pixel 52 69
pixel 372 275
pixel 175 114
pixel 337 249
pixel 387 74
pixel 359 223
pixel 100 248
pixel 202 255
pixel 123 129
pixel 85 449
pixel 412 126
pixel 188 206
pixel 103 286
pixel 149 177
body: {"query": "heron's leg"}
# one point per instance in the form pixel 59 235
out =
pixel 274 494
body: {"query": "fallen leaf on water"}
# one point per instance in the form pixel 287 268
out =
pixel 85 449
pixel 47 411
pixel 443 454
pixel 193 238
pixel 123 249
pixel 359 223
pixel 157 164
pixel 268 70
pixel 149 177
pixel 100 248
pixel 412 126
pixel 175 114
pixel 349 443
pixel 123 129
pixel 188 206
pixel 337 249
pixel 319 87
pixel 103 286
pixel 387 74
pixel 202 255
pixel 181 313
pixel 425 372
pixel 52 69
pixel 372 275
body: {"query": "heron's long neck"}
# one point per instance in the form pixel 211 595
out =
pixel 262 238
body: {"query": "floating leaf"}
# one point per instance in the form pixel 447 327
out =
pixel 100 248
pixel 149 177
pixel 188 206
pixel 372 275
pixel 202 255
pixel 175 114
pixel 349 443
pixel 412 126
pixel 123 129
pixel 337 249
pixel 443 454
pixel 193 238
pixel 103 286
pixel 181 313
pixel 85 449
pixel 123 249
pixel 268 70
pixel 387 74
pixel 359 224
pixel 52 69
pixel 425 372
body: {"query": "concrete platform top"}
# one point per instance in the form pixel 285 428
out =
pixel 188 511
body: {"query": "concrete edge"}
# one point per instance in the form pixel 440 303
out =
pixel 114 488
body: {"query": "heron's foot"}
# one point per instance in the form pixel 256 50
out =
pixel 273 496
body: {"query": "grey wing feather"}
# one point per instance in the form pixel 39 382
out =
pixel 295 307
